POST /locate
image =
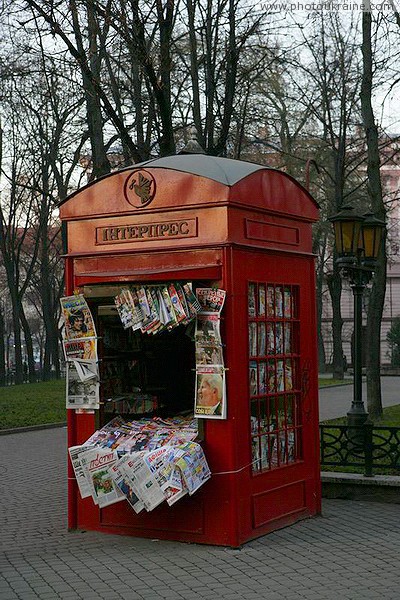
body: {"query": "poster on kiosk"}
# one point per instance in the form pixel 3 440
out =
pixel 190 345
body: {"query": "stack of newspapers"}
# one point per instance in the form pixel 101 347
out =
pixel 144 462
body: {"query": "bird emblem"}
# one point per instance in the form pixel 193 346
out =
pixel 142 188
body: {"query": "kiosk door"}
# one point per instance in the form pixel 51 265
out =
pixel 280 327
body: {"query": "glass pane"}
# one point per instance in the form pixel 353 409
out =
pixel 278 338
pixel 252 300
pixel 270 338
pixel 278 302
pixel 288 375
pixel 261 339
pixel 254 417
pixel 255 453
pixel 280 376
pixel 253 378
pixel 262 378
pixel 287 338
pixel 270 301
pixel 287 303
pixel 271 377
pixel 261 300
pixel 253 339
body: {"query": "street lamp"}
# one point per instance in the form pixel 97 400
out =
pixel 358 239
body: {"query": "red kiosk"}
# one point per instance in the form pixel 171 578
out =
pixel 246 229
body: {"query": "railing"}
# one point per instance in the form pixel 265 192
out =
pixel 369 447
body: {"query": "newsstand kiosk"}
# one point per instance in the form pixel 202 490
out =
pixel 246 229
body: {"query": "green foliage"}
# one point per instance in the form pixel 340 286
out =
pixel 32 404
pixel 393 339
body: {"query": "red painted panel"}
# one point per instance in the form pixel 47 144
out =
pixel 271 232
pixel 279 502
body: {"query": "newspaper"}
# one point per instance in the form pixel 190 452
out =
pixel 142 481
pixel 80 473
pixel 81 394
pixel 86 369
pixel 97 463
pixel 126 488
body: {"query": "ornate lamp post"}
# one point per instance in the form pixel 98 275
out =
pixel 358 239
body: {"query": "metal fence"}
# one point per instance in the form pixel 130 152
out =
pixel 370 447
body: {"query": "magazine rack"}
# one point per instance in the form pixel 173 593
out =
pixel 246 229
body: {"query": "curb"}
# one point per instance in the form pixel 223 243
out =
pixel 31 428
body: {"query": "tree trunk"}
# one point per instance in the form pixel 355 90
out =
pixel 2 351
pixel 335 289
pixel 377 296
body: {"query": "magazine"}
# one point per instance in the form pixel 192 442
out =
pixel 210 399
pixel 208 330
pixel 193 466
pixel 78 320
pixel 211 299
pixel 81 348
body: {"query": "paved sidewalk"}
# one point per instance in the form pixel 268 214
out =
pixel 351 552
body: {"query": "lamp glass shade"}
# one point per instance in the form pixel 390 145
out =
pixel 347 235
pixel 372 231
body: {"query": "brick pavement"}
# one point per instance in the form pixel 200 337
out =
pixel 351 552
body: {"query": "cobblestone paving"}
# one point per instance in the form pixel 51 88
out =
pixel 351 552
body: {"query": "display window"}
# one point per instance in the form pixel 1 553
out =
pixel 274 392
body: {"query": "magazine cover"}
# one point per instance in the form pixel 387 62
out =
pixel 209 355
pixel 84 349
pixel 210 398
pixel 211 299
pixel 78 319
pixel 81 394
pixel 208 330
pixel 193 466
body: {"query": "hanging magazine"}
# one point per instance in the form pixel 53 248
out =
pixel 83 349
pixel 211 299
pixel 210 400
pixel 78 319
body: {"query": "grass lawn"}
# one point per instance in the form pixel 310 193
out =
pixel 326 381
pixel 32 404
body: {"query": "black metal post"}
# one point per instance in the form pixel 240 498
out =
pixel 357 414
